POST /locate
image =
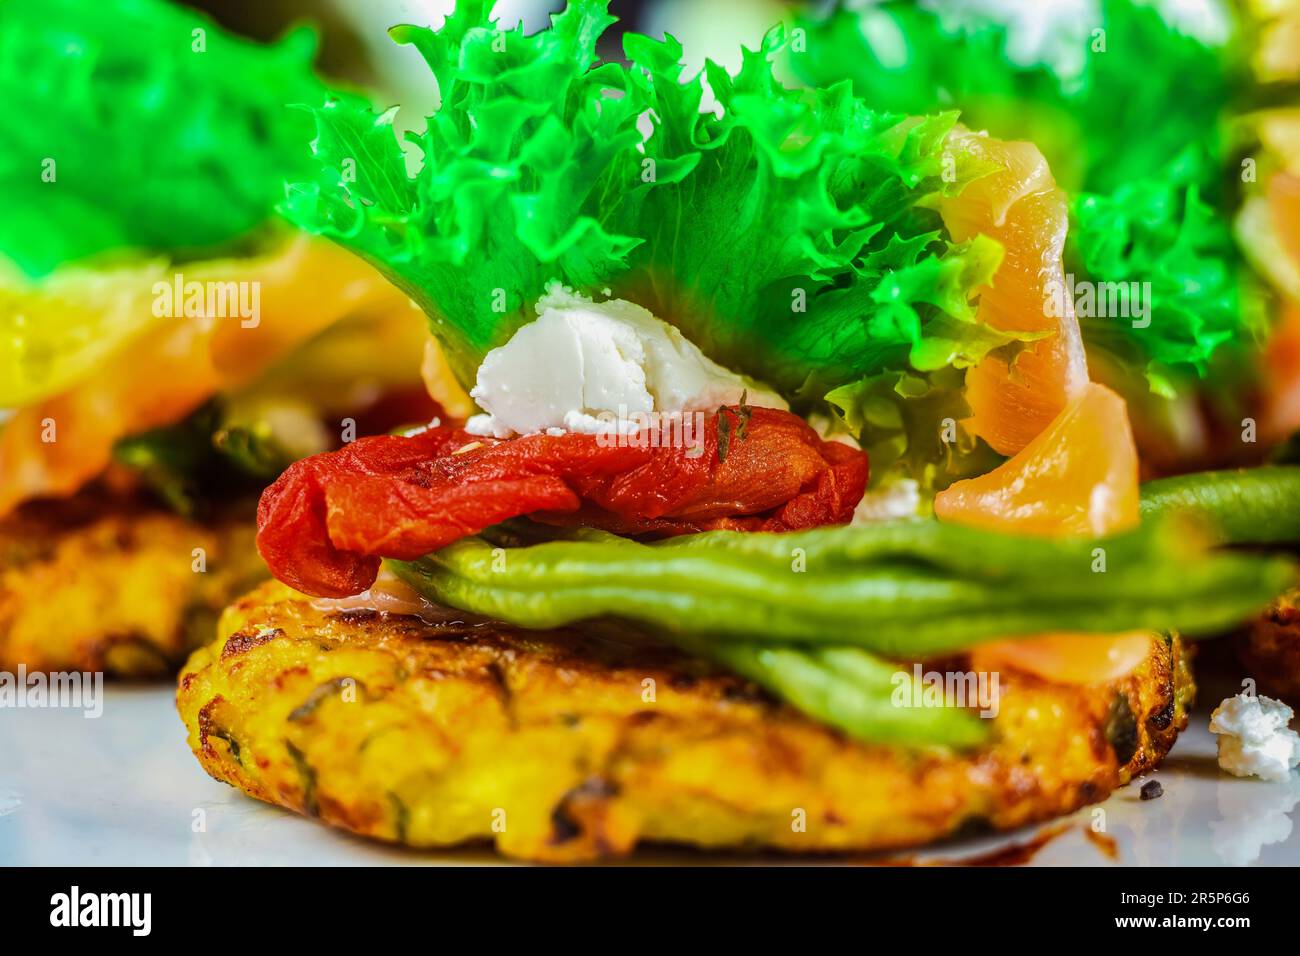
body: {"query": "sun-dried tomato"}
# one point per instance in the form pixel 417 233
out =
pixel 326 523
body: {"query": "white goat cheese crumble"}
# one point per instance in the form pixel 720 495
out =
pixel 585 366
pixel 1254 739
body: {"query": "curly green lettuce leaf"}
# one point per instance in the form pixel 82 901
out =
pixel 141 125
pixel 1132 130
pixel 790 233
pixel 910 419
pixel 1165 233
pixel 514 163
pixel 911 423
pixel 1141 93
pixel 797 242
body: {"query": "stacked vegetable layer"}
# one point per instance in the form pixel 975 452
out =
pixel 817 616
pixel 797 236
pixel 1131 111
pixel 792 235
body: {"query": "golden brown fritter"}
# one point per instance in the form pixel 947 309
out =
pixel 1270 649
pixel 105 582
pixel 559 746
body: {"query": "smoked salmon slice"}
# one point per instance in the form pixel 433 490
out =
pixel 1074 464
pixel 1021 207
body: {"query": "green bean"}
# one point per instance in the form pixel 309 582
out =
pixel 969 552
pixel 553 566
pixel 850 690
pixel 891 607
pixel 1128 572
pixel 915 546
pixel 1248 506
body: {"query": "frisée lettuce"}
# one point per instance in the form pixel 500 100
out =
pixel 789 233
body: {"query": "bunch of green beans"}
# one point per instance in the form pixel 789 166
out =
pixel 1246 506
pixel 911 589
pixel 811 615
pixel 847 688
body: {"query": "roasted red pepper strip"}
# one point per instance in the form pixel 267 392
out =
pixel 325 524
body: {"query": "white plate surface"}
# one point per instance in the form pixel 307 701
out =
pixel 125 790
